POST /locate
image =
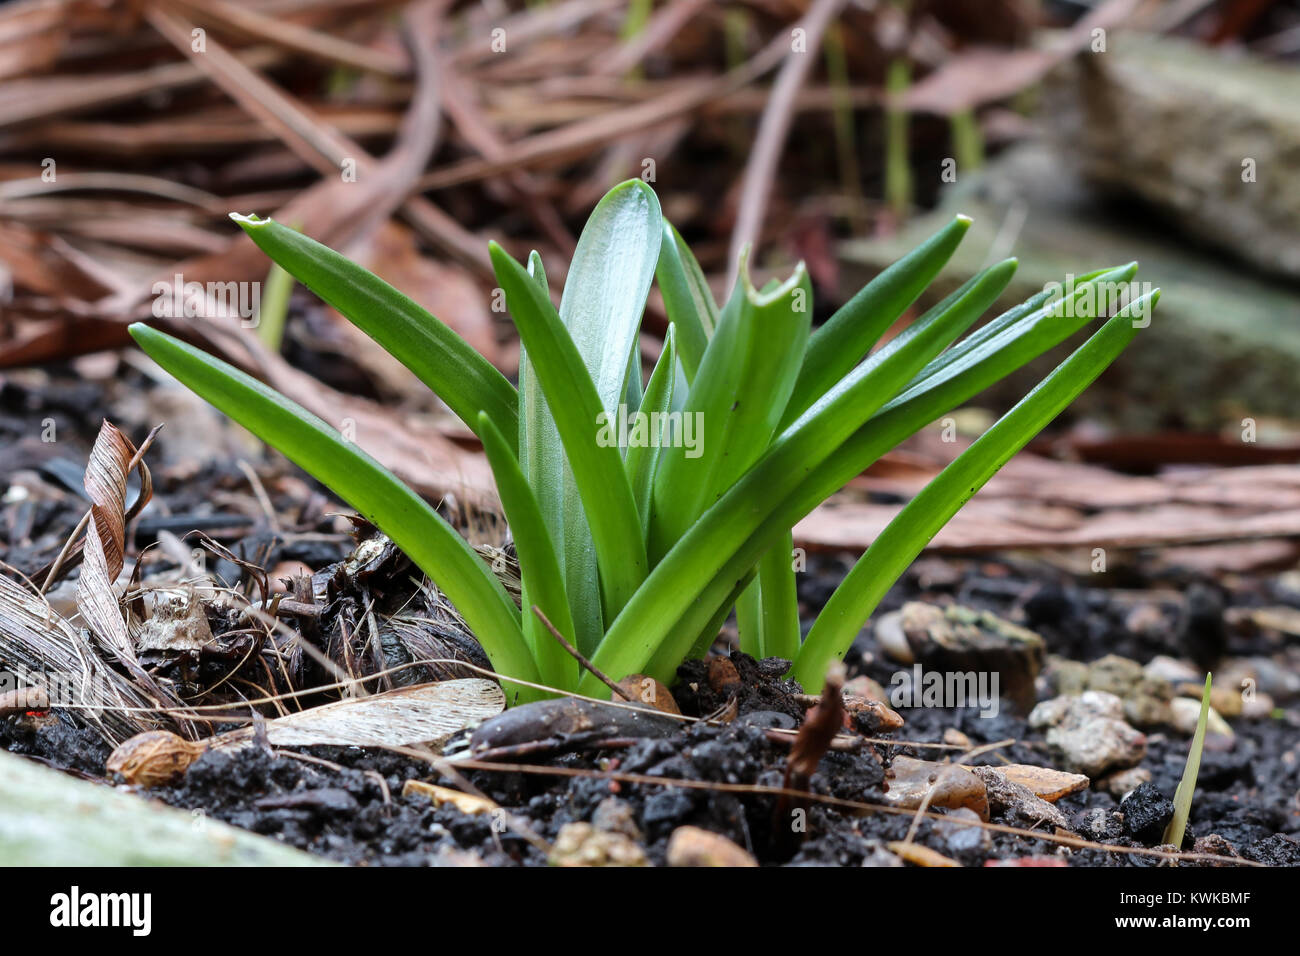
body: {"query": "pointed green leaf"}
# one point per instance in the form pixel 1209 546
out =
pixel 368 487
pixel 911 530
pixel 585 431
pixel 440 358
pixel 539 569
pixel 735 402
pixel 690 566
pixel 642 460
pixel 1187 785
pixel 687 299
pixel 842 341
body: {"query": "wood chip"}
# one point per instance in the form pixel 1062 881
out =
pixel 464 802
pixel 400 718
pixel 919 855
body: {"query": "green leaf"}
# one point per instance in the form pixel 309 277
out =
pixel 440 358
pixel 690 566
pixel 596 464
pixel 642 460
pixel 1187 785
pixel 948 382
pixel 780 600
pixel 368 487
pixel 687 299
pixel 737 397
pixel 842 341
pixel 767 614
pixel 604 297
pixel 911 530
pixel 543 584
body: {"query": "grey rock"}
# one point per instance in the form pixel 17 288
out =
pixel 1016 804
pixel 965 837
pixel 1088 734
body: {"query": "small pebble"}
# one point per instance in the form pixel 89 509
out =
pixel 693 846
pixel 581 844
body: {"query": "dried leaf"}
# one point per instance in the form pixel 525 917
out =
pixel 464 802
pixel 399 718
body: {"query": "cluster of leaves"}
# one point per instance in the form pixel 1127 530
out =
pixel 639 554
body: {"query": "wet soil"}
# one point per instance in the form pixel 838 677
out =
pixel 347 803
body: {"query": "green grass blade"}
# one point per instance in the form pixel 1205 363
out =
pixel 738 396
pixel 1019 339
pixel 842 341
pixel 687 299
pixel 440 358
pixel 597 466
pixel 634 637
pixel 1187 785
pixel 642 459
pixel 365 485
pixel 904 537
pixel 780 600
pixel 604 297
pixel 947 385
pixel 543 584
pixel 749 620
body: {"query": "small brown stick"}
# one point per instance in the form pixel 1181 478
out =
pixel 577 655
pixel 820 728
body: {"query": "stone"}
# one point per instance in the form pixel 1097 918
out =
pixel 1067 677
pixel 649 692
pixel 1192 133
pixel 1215 318
pixel 1123 782
pixel 1172 670
pixel 616 816
pixel 879 856
pixel 1114 675
pixel 893 642
pixel 1028 861
pixel 951 786
pixel 963 837
pixel 1187 711
pixel 1016 803
pixel 1214 845
pixel 1045 783
pixel 867 689
pixel 1098 824
pixel 1146 813
pixel 1146 698
pixel 957 638
pixel 1260 675
pixel 581 844
pixel 955 738
pixel 693 846
pixel 1088 733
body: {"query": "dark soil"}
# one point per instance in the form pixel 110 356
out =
pixel 355 812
